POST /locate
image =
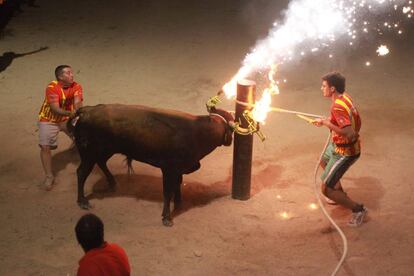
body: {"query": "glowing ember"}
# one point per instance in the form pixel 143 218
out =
pixel 284 215
pixel 313 206
pixel 382 50
pixel 278 197
pixel 368 63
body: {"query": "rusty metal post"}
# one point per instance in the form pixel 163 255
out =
pixel 243 144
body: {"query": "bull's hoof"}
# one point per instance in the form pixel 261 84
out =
pixel 84 204
pixel 167 222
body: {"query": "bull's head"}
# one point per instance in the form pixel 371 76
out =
pixel 229 120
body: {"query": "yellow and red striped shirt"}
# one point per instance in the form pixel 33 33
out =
pixel 55 93
pixel 344 113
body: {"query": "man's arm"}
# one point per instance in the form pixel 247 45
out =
pixel 56 109
pixel 77 102
pixel 347 131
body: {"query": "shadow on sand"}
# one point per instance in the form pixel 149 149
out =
pixel 146 187
pixel 194 194
pixel 7 58
pixel 61 159
pixel 149 188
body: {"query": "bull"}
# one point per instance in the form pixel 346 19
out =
pixel 170 140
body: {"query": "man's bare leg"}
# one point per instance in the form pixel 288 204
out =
pixel 338 186
pixel 339 197
pixel 46 158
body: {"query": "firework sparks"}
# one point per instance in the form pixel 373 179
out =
pixel 383 50
pixel 311 26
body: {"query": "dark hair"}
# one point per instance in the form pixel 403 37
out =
pixel 59 70
pixel 336 80
pixel 89 232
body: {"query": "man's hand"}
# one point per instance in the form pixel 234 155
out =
pixel 321 122
pixel 71 114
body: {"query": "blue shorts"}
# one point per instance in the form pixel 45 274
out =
pixel 336 165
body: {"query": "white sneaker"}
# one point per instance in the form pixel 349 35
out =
pixel 358 217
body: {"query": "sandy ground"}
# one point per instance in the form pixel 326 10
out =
pixel 176 54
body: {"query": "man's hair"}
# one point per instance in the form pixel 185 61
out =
pixel 59 70
pixel 90 232
pixel 336 80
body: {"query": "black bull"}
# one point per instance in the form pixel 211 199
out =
pixel 171 140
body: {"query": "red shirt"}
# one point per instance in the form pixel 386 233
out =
pixel 344 113
pixel 108 260
pixel 55 93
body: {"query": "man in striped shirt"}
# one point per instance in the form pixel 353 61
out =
pixel 62 98
pixel 345 147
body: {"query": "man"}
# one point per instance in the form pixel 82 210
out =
pixel 344 149
pixel 63 97
pixel 101 258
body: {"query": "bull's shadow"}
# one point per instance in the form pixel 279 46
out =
pixel 146 187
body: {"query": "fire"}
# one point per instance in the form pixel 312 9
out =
pixel 262 107
pixel 230 88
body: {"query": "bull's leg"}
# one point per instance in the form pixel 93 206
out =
pixel 83 172
pixel 177 192
pixel 110 178
pixel 169 180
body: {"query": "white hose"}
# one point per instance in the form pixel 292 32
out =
pixel 317 193
pixel 316 187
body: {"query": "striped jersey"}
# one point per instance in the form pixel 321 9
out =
pixel 344 113
pixel 55 93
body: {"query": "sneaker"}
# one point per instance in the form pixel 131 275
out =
pixel 358 217
pixel 48 183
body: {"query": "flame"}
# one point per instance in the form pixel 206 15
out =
pixel 262 107
pixel 230 88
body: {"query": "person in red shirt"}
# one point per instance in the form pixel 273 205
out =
pixel 62 98
pixel 345 147
pixel 101 257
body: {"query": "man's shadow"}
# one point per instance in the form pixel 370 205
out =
pixel 7 58
pixel 61 159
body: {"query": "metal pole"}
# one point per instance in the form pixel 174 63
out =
pixel 243 144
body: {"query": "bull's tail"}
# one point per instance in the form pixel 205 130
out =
pixel 129 164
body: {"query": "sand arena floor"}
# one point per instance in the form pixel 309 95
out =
pixel 176 54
